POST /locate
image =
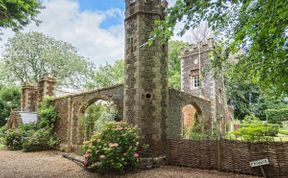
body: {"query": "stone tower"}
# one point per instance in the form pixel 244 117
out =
pixel 146 86
pixel 197 80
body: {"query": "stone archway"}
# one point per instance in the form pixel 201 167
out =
pixel 191 116
pixel 109 111
pixel 178 100
pixel 71 108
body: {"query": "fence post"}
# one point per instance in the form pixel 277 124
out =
pixel 219 154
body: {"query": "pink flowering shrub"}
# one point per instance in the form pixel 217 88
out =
pixel 115 148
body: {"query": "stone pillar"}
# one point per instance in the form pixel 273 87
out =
pixel 146 85
pixel 46 86
pixel 29 98
pixel 14 120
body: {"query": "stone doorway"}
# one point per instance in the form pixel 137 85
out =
pixel 191 118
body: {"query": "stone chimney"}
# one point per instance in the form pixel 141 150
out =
pixel 29 98
pixel 46 86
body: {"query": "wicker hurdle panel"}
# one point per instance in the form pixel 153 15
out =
pixel 229 155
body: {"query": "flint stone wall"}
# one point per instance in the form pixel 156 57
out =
pixel 177 100
pixel 71 110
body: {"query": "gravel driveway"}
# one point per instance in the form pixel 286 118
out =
pixel 51 164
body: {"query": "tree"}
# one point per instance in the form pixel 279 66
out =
pixel 248 98
pixel 257 27
pixel 9 100
pixel 200 33
pixel 174 63
pixel 17 13
pixel 107 75
pixel 28 56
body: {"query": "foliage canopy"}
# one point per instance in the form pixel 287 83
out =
pixel 9 100
pixel 17 13
pixel 28 56
pixel 255 27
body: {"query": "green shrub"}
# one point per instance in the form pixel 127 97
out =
pixel 31 138
pixel 252 129
pixel 40 140
pixel 43 138
pixel 2 135
pixel 47 113
pixel 271 129
pixel 28 127
pixel 284 132
pixel 115 148
pixel 14 139
pixel 10 97
pixel 197 133
pixel 277 115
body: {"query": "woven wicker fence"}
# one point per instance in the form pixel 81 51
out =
pixel 228 155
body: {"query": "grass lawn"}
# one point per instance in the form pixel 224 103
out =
pixel 282 137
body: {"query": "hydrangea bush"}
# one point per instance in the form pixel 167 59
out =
pixel 115 148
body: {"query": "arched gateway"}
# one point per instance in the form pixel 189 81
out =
pixel 71 108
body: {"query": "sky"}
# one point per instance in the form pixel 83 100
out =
pixel 94 27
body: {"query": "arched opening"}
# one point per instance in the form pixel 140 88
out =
pixel 96 115
pixel 191 120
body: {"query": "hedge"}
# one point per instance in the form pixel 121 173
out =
pixel 277 115
pixel 284 132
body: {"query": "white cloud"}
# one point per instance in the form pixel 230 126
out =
pixel 63 20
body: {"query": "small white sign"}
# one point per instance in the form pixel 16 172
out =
pixel 259 162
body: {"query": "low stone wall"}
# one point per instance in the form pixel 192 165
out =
pixel 228 155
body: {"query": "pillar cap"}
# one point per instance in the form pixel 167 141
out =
pixel 27 85
pixel 47 77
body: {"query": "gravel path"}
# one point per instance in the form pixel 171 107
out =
pixel 51 164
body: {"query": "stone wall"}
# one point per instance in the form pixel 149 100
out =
pixel 71 110
pixel 177 100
